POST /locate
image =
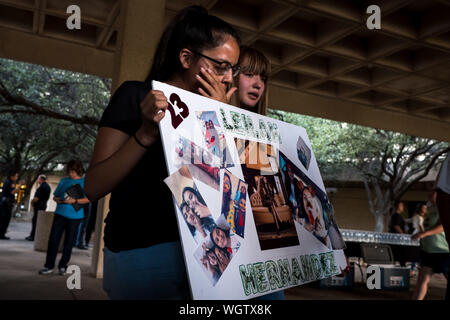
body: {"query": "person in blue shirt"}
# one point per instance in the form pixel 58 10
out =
pixel 66 218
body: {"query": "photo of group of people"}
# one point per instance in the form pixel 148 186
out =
pixel 193 208
pixel 215 253
pixel 273 218
pixel 202 164
pixel 218 241
pixel 234 202
pixel 214 137
pixel 310 205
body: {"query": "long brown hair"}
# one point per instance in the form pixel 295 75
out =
pixel 254 61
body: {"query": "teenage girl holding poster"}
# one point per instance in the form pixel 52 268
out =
pixel 142 256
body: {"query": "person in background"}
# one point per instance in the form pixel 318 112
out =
pixel 39 202
pixel 66 219
pixel 417 219
pixel 397 224
pixel 7 198
pixel 417 224
pixel 195 201
pixel 434 256
pixel 90 228
pixel 79 242
pixel 443 204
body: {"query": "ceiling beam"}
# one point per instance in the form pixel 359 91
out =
pixel 61 54
pixel 309 104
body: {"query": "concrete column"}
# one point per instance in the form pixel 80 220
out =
pixel 97 254
pixel 141 24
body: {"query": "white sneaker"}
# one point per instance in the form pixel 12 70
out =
pixel 62 271
pixel 45 271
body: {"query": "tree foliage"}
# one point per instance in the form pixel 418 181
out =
pixel 387 162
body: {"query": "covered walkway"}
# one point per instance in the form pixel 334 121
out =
pixel 20 263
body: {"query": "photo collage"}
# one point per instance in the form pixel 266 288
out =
pixel 278 192
pixel 309 205
pixel 273 218
pixel 218 235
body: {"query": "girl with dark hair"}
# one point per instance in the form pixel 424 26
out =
pixel 226 199
pixel 195 201
pixel 225 240
pixel 7 198
pixel 241 208
pixel 199 53
pixel 199 227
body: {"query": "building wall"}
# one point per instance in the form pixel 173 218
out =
pixel 352 207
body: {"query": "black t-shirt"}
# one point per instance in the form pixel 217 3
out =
pixel 42 193
pixel 396 220
pixel 141 206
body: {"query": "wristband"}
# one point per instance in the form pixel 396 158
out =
pixel 140 143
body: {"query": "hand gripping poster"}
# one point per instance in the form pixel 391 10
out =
pixel 252 211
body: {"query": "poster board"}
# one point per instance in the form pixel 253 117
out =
pixel 252 210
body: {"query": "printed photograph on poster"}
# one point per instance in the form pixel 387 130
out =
pixel 202 164
pixel 273 217
pixel 215 253
pixel 303 152
pixel 234 202
pixel 214 137
pixel 310 205
pixel 191 204
pixel 222 262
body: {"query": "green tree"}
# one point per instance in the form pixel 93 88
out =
pixel 388 163
pixel 47 116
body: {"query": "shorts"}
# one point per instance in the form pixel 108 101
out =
pixel 439 262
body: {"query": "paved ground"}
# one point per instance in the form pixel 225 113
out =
pixel 19 278
pixel 20 263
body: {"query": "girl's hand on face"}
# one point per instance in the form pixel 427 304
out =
pixel 213 87
pixel 153 109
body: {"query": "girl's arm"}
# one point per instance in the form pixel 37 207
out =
pixel 431 232
pixel 79 201
pixel 116 153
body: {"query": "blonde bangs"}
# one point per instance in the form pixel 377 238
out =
pixel 254 62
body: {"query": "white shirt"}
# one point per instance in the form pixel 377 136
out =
pixel 417 222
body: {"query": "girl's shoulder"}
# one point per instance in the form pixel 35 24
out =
pixel 64 180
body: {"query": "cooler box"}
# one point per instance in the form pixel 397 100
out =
pixel 339 281
pixel 392 277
